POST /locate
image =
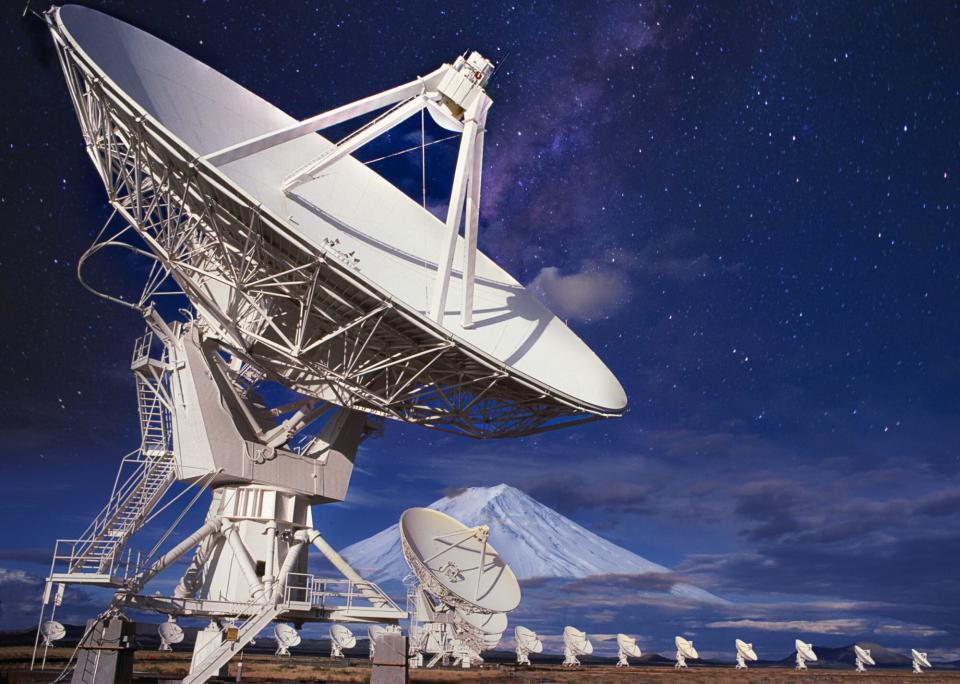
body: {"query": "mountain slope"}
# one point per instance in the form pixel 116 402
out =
pixel 536 541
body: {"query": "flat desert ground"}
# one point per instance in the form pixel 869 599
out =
pixel 152 666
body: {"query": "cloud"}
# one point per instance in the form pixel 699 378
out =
pixel 841 626
pixel 909 630
pixel 592 293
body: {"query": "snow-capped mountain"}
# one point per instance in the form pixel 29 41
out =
pixel 536 541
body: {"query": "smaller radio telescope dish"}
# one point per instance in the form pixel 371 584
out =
pixel 863 658
pixel 575 643
pixel 919 660
pixel 456 563
pixel 170 633
pixel 51 630
pixel 340 638
pixel 804 653
pixel 626 648
pixel 685 650
pixel 527 642
pixel 287 637
pixel 745 652
pixel 483 623
pixel 375 632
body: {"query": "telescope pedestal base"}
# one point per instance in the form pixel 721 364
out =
pixel 106 655
pixel 390 660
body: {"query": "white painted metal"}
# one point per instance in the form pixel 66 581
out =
pixel 920 660
pixel 340 638
pixel 52 631
pixel 458 592
pixel 158 129
pixel 745 652
pixel 804 653
pixel 863 658
pixel 575 643
pixel 456 563
pixel 685 650
pixel 286 637
pixel 626 648
pixel 374 632
pixel 170 633
pixel 302 267
pixel 527 642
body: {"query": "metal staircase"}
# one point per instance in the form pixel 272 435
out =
pixel 222 653
pixel 143 478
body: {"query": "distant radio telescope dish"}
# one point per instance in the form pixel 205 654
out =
pixel 456 563
pixel 626 648
pixel 374 632
pixel 575 643
pixel 863 658
pixel 745 652
pixel 287 637
pixel 51 630
pixel 170 633
pixel 919 660
pixel 685 650
pixel 340 638
pixel 527 642
pixel 804 653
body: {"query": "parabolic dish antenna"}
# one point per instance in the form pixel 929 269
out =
pixel 804 653
pixel 51 630
pixel 456 563
pixel 340 638
pixel 374 632
pixel 287 637
pixel 626 648
pixel 685 650
pixel 863 658
pixel 483 623
pixel 315 268
pixel 919 660
pixel 745 652
pixel 170 633
pixel 527 642
pixel 575 643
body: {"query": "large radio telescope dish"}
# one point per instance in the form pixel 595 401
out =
pixel 919 660
pixel 456 563
pixel 327 283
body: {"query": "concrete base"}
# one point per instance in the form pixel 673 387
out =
pixel 390 660
pixel 106 655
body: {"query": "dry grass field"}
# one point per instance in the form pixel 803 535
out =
pixel 152 665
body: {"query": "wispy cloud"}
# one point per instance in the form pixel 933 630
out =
pixel 592 293
pixel 841 626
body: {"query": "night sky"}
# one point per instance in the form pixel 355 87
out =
pixel 750 210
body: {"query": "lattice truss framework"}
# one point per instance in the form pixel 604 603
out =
pixel 303 318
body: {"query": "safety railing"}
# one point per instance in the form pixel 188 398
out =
pixel 107 557
pixel 334 594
